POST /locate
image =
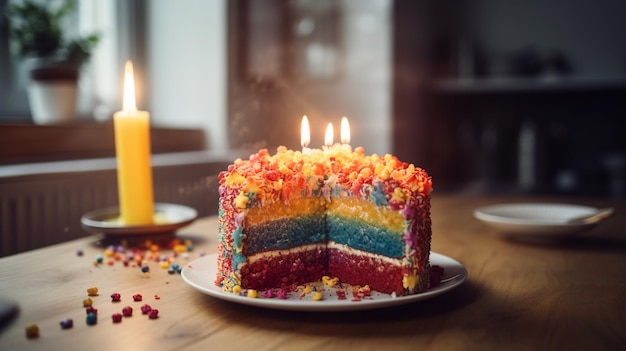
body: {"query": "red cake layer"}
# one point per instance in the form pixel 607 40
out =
pixel 356 269
pixel 285 269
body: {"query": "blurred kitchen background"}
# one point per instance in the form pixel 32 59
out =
pixel 520 96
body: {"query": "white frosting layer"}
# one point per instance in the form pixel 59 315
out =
pixel 330 245
pixel 352 251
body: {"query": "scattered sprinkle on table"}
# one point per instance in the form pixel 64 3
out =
pixel 116 317
pixel 32 331
pixel 116 297
pixel 145 309
pixel 127 311
pixel 92 318
pixel 153 314
pixel 91 309
pixel 67 323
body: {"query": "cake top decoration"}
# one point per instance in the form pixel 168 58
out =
pixel 337 168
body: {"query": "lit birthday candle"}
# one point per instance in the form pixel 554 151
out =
pixel 305 135
pixel 328 137
pixel 345 134
pixel 132 147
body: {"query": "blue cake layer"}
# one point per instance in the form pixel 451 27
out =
pixel 284 234
pixel 365 237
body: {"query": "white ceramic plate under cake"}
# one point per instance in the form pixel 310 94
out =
pixel 536 219
pixel 201 272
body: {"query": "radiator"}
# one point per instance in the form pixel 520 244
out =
pixel 44 207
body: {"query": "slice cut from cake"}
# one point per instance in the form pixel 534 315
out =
pixel 291 218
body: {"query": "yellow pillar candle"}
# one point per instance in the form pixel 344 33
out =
pixel 132 147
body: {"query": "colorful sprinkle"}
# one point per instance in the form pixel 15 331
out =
pixel 93 291
pixel 116 297
pixel 307 289
pixel 145 309
pixel 137 297
pixel 67 323
pixel 116 317
pixel 341 295
pixel 252 293
pixel 90 309
pixel 91 319
pixel 145 268
pixel 317 296
pixel 87 302
pixel 180 248
pixel 281 294
pixel 127 311
pixel 32 331
pixel 328 281
pixel 153 314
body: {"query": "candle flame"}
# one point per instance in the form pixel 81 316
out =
pixel 345 131
pixel 328 139
pixel 305 132
pixel 129 88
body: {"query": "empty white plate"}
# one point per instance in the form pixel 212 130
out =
pixel 536 219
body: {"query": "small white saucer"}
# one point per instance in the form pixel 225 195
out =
pixel 536 219
pixel 170 217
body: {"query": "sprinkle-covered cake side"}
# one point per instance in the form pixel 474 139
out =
pixel 276 205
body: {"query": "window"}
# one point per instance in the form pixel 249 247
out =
pixel 100 78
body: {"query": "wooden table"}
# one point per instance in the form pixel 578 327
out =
pixel 569 295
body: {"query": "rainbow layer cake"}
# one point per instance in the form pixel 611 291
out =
pixel 292 218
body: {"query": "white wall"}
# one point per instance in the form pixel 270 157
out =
pixel 187 66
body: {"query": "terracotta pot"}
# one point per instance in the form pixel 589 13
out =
pixel 52 94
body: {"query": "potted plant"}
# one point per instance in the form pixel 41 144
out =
pixel 37 34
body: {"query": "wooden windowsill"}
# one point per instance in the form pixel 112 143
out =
pixel 23 143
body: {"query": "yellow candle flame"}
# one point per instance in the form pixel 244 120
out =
pixel 328 139
pixel 345 131
pixel 129 88
pixel 305 132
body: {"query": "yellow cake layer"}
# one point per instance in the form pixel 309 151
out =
pixel 350 207
pixel 367 212
pixel 300 206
